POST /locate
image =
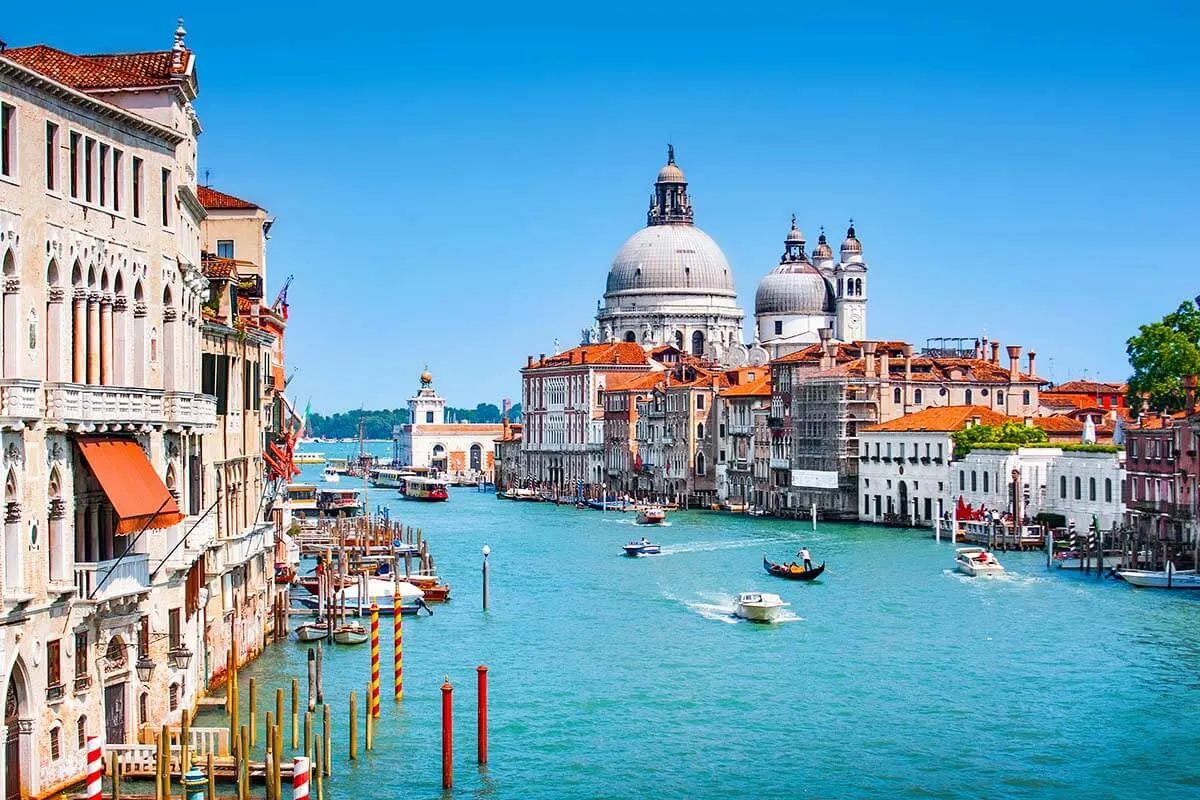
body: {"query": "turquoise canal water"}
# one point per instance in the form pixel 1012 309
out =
pixel 614 677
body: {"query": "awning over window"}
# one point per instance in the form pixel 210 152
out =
pixel 128 478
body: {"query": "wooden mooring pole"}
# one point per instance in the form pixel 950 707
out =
pixel 354 726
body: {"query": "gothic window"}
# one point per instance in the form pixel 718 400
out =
pixel 699 431
pixel 699 463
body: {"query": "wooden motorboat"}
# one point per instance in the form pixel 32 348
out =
pixel 642 547
pixel 434 592
pixel 759 606
pixel 976 561
pixel 793 572
pixel 350 633
pixel 651 515
pixel 1169 578
pixel 312 631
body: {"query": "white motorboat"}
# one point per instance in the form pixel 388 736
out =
pixel 330 475
pixel 759 606
pixel 312 631
pixel 1169 578
pixel 976 561
pixel 642 547
pixel 350 633
pixel 380 592
pixel 651 515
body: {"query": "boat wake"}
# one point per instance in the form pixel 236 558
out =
pixel 726 544
pixel 721 608
pixel 1005 578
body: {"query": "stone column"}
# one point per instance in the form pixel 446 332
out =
pixel 106 339
pixel 138 376
pixel 81 543
pixel 79 337
pixel 53 340
pixel 13 345
pixel 169 351
pixel 93 532
pixel 120 342
pixel 60 567
pixel 93 339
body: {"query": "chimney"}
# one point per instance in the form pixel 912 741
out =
pixel 995 353
pixel 529 361
pixel 1189 391
pixel 981 348
pixel 541 358
pixel 868 349
pixel 1032 357
pixel 884 367
pixel 1029 422
pixel 583 356
pixel 907 350
pixel 1014 355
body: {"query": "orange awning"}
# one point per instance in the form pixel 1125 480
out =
pixel 128 478
pixel 277 374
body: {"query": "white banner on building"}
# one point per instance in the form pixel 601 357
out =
pixel 815 478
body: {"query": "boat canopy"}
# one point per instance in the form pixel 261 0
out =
pixel 382 591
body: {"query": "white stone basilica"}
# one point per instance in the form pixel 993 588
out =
pixel 671 284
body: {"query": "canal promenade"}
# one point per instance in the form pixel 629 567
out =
pixel 894 676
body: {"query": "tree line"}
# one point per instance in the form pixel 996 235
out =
pixel 377 424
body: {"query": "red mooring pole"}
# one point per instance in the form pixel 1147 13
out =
pixel 447 736
pixel 374 698
pixel 482 721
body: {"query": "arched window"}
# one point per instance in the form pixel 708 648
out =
pixel 839 287
pixel 1108 490
pixel 858 286
pixel 973 484
pixel 699 463
pixel 962 481
pixel 1025 397
pixel 55 743
pixel 896 395
pixel 985 481
pixel 1092 489
pixel 697 343
pixel 476 458
pixel 173 696
pixel 630 336
pixel 999 398
pixel 143 708
pixel 1062 487
pixel 917 397
pixel 968 398
pixel 81 732
pixel 1078 488
pixel 699 431
pixel 679 340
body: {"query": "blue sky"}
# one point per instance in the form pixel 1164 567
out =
pixel 451 182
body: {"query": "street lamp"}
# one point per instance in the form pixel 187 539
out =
pixel 487 551
pixel 144 669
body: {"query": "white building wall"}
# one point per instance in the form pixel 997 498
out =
pixel 1098 478
pixel 908 465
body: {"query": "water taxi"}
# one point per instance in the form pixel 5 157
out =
pixel 759 606
pixel 308 458
pixel 333 502
pixel 651 515
pixel 430 490
pixel 329 475
pixel 976 561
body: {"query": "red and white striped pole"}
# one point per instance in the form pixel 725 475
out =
pixel 300 767
pixel 94 768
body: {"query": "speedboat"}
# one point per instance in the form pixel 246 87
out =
pixel 651 515
pixel 329 475
pixel 759 606
pixel 976 561
pixel 1169 578
pixel 350 633
pixel 311 631
pixel 642 547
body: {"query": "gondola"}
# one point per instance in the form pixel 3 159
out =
pixel 793 573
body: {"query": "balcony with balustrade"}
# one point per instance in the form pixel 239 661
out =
pixel 86 408
pixel 20 402
pixel 115 577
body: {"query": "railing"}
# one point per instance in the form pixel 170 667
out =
pixel 740 465
pixel 130 574
pixel 738 429
pixel 188 408
pixel 1173 510
pixel 781 463
pixel 20 398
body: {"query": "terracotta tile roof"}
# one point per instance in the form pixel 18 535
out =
pixel 1052 400
pixel 215 267
pixel 924 369
pixel 102 70
pixel 245 305
pixel 638 381
pixel 612 353
pixel 211 198
pixel 941 418
pixel 759 387
pixel 843 351
pixel 479 428
pixel 1091 387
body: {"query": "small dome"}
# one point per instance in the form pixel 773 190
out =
pixel 670 257
pixel 852 244
pixel 794 236
pixel 822 252
pixel 794 288
pixel 671 174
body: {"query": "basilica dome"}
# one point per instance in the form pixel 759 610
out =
pixel 794 289
pixel 671 257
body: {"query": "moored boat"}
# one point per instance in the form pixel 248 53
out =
pixel 792 571
pixel 642 547
pixel 336 502
pixel 380 592
pixel 651 515
pixel 311 631
pixel 1072 559
pixel 350 633
pixel 308 458
pixel 1169 578
pixel 976 561
pixel 284 573
pixel 759 606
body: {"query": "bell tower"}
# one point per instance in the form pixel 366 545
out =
pixel 851 273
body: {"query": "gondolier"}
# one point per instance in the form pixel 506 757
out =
pixel 805 557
